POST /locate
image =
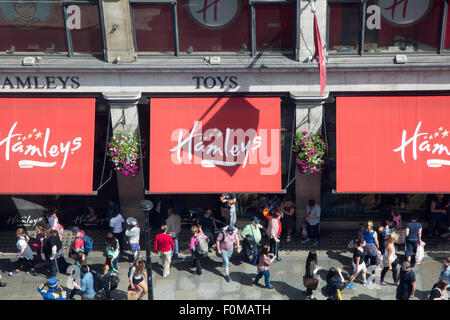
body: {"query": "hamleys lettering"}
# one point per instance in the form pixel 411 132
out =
pixel 37 82
pixel 36 149
pixel 432 143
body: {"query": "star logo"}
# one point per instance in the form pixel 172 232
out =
pixel 436 134
pixel 444 134
pixel 38 135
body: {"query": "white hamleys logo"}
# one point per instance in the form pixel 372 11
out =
pixel 433 143
pixel 31 145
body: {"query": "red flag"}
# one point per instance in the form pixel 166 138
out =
pixel 318 55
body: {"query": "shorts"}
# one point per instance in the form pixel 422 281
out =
pixel 137 281
pixel 411 247
pixel 362 267
pixel 135 247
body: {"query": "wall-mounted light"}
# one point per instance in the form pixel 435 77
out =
pixel 115 27
pixel 190 49
pixel 51 49
pixel 28 61
pixel 243 48
pixel 117 59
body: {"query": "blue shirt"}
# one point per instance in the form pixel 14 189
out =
pixel 414 228
pixel 445 275
pixel 368 237
pixel 87 285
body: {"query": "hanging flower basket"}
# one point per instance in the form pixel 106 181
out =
pixel 123 150
pixel 311 152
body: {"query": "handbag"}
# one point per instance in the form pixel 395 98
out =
pixel 310 283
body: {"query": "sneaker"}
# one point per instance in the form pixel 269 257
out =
pixel 315 242
pixel 278 259
pixel 305 241
pixel 255 284
pixel 366 283
pixel 14 273
pixel 227 278
pixel 269 288
pixel 2 284
pixel 350 286
pixel 33 272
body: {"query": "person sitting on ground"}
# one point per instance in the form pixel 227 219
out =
pixel 335 282
pixel 445 270
pixel 138 277
pixel 87 284
pixel 439 291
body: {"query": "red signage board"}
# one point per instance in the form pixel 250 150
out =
pixel 393 144
pixel 213 145
pixel 46 145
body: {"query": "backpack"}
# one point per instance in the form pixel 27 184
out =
pixel 223 235
pixel 202 247
pixel 88 243
pixel 98 282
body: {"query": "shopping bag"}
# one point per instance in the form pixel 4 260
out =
pixel 351 244
pixel 379 258
pixel 420 253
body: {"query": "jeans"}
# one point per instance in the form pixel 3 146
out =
pixel 313 231
pixel 226 255
pixel 25 264
pixel 175 252
pixel 57 264
pixel 266 274
pixel 274 246
pixel 196 262
pixel 394 271
pixel 250 249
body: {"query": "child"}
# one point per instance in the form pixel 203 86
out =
pixel 263 267
pixel 24 254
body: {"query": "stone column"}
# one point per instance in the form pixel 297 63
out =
pixel 305 28
pixel 124 118
pixel 309 110
pixel 116 25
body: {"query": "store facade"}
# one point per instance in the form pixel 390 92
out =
pixel 250 72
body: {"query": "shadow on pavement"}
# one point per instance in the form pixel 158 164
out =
pixel 291 292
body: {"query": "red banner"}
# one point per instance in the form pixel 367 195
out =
pixel 212 145
pixel 393 144
pixel 46 145
pixel 318 55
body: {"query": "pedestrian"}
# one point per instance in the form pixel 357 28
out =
pixel 173 223
pixel 372 245
pixel 112 247
pixel 311 279
pixel 54 252
pixel 54 290
pixel 264 261
pixel 358 264
pixel 225 245
pixel 112 208
pixel 25 261
pixel 380 235
pixel 390 260
pixel 407 283
pixel 53 222
pixel 445 270
pixel 116 224
pixel 228 207
pixel 138 277
pixel 208 225
pixel 252 237
pixel 335 283
pixel 82 242
pixel 438 209
pixel 439 291
pixel 312 222
pixel 273 233
pixel 110 276
pixel 36 244
pixel 132 234
pixel 87 285
pixel 2 284
pixel 199 248
pixel 288 216
pixel 164 245
pixel 397 217
pixel 413 236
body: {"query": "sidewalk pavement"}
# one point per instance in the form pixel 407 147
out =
pixel 286 275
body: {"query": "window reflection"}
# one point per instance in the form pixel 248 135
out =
pixel 344 26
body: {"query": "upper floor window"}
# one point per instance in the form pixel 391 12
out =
pixel 387 26
pixel 190 27
pixel 49 27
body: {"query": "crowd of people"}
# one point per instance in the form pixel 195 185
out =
pixel 259 241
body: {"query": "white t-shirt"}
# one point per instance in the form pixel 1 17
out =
pixel 116 223
pixel 315 211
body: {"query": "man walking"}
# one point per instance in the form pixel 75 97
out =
pixel 312 221
pixel 208 225
pixel 163 245
pixel 413 236
pixel 173 223
pixel 225 245
pixel 407 286
pixel 252 236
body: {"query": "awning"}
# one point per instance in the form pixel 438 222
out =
pixel 46 145
pixel 213 145
pixel 393 144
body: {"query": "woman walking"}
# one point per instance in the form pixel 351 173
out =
pixel 390 260
pixel 263 267
pixel 112 247
pixel 137 277
pixel 25 260
pixel 199 248
pixel 311 280
pixel 372 245
pixel 358 263
pixel 110 276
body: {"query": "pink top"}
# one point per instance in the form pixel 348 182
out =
pixel 397 220
pixel 194 240
pixel 272 229
pixel 264 263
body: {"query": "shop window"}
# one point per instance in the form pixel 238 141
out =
pixel 344 25
pixel 50 27
pixel 154 28
pixel 405 27
pixel 33 26
pixel 86 34
pixel 275 27
pixel 214 26
pixel 447 27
